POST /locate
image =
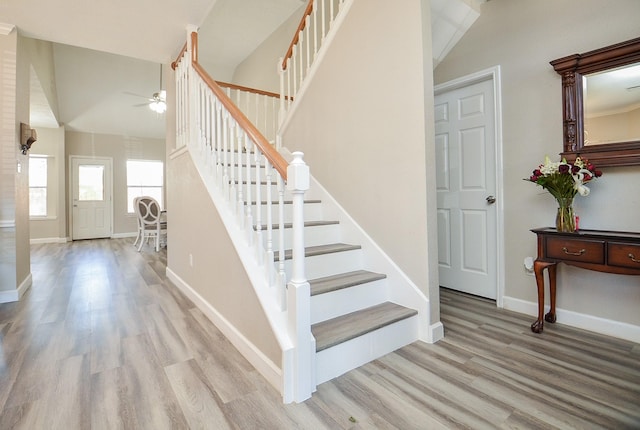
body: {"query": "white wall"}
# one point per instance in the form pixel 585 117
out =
pixel 522 37
pixel 10 158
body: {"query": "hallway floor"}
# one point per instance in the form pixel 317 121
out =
pixel 103 341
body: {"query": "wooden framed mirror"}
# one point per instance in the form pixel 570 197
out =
pixel 601 104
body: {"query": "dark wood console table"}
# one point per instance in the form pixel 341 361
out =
pixel 604 251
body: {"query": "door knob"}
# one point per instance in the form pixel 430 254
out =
pixel 491 200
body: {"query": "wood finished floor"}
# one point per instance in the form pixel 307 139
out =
pixel 104 341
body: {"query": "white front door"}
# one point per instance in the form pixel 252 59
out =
pixel 466 189
pixel 91 195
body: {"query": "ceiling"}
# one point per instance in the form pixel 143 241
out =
pixel 107 54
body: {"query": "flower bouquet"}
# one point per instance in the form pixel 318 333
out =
pixel 564 180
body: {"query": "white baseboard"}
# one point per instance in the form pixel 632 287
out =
pixel 435 332
pixel 48 240
pixel 261 362
pixel 15 295
pixel 592 323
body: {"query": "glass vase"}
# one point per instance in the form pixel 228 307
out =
pixel 565 218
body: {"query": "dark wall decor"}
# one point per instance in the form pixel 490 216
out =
pixel 574 69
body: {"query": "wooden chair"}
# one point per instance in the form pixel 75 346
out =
pixel 137 212
pixel 149 221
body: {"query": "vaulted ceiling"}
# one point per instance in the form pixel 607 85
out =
pixel 107 54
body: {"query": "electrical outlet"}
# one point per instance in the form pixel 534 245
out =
pixel 528 265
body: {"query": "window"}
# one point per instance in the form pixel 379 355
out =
pixel 90 183
pixel 144 178
pixel 37 186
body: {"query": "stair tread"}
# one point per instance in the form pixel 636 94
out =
pixel 306 224
pixel 343 280
pixel 287 202
pixel 350 326
pixel 311 251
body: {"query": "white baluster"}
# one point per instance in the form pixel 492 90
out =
pixel 301 60
pixel 282 277
pixel 219 140
pixel 240 202
pixel 315 30
pixel 283 95
pixel 225 152
pixel 308 31
pixel 232 163
pixel 269 257
pixel 289 93
pixel 324 19
pixel 293 69
pixel 258 160
pixel 331 13
pixel 249 215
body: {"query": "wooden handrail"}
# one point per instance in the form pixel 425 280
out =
pixel 277 161
pixel 226 84
pixel 179 57
pixel 301 26
pixel 247 89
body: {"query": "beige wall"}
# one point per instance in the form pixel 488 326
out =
pixel 620 127
pixel 522 37
pixel 216 274
pixel 362 127
pixel 120 149
pixel 51 143
pixel 259 70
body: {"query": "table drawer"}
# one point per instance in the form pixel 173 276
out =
pixel 623 255
pixel 569 249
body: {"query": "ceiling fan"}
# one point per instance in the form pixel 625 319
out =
pixel 158 101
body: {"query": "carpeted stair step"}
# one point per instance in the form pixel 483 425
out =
pixel 346 327
pixel 343 280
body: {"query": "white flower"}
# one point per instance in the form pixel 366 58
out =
pixel 583 190
pixel 549 167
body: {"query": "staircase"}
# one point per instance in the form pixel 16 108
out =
pixel 332 297
pixel 353 322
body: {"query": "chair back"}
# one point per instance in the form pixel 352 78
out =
pixel 148 211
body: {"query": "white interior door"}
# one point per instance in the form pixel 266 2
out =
pixel 466 189
pixel 91 195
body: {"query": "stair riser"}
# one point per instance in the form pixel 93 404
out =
pixel 340 302
pixel 312 212
pixel 319 266
pixel 337 360
pixel 263 191
pixel 315 235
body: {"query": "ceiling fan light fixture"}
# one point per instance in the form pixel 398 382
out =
pixel 158 106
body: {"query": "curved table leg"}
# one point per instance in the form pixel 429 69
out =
pixel 538 268
pixel 551 315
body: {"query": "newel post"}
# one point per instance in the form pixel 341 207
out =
pixel 298 290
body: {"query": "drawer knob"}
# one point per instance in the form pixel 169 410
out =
pixel 633 258
pixel 566 251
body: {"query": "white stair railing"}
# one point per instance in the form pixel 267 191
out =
pixel 315 30
pixel 236 161
pixel 260 107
